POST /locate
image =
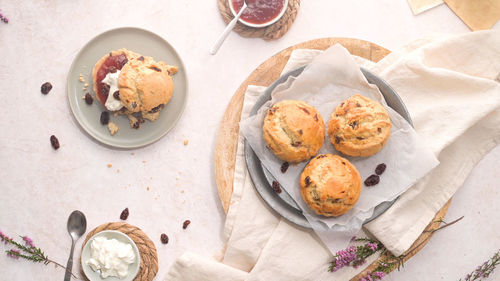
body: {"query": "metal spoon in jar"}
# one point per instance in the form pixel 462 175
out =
pixel 228 29
pixel 77 224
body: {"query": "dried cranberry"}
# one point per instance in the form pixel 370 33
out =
pixel 276 187
pixel 185 224
pixel 112 69
pixel 284 167
pixel 124 214
pixel 116 95
pixel 104 117
pixel 46 87
pixel 380 169
pixel 307 181
pixel 54 142
pixel 89 99
pixel 372 180
pixel 164 238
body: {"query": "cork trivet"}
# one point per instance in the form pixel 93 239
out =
pixel 147 249
pixel 273 31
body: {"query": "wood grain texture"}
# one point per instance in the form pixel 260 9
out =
pixel 264 75
pixel 476 14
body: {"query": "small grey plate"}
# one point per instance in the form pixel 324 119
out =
pixel 262 179
pixel 133 268
pixel 140 41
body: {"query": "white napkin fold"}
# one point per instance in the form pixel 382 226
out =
pixel 449 87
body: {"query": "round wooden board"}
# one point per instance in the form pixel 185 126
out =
pixel 264 75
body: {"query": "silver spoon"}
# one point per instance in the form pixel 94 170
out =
pixel 77 224
pixel 228 29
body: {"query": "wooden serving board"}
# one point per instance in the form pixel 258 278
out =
pixel 264 75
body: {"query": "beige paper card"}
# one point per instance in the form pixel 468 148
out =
pixel 419 6
pixel 476 14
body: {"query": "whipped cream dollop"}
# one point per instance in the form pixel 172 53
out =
pixel 111 80
pixel 111 257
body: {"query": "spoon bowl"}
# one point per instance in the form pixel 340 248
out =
pixel 77 224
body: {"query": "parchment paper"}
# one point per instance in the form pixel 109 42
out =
pixel 331 78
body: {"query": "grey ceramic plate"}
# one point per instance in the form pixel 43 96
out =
pixel 283 203
pixel 140 41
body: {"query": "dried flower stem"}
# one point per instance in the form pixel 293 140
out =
pixel 352 256
pixel 4 18
pixel 484 270
pixel 29 252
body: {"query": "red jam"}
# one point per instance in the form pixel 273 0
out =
pixel 111 64
pixel 259 11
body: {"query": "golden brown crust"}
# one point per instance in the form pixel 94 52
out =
pixel 330 185
pixel 144 84
pixel 359 126
pixel 293 130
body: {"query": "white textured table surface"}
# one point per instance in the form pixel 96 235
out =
pixel 165 183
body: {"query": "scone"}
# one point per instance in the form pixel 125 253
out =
pixel 293 130
pixel 129 82
pixel 330 185
pixel 359 126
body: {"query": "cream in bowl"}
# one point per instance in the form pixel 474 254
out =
pixel 259 13
pixel 110 255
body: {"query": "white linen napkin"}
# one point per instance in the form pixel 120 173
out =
pixel 449 87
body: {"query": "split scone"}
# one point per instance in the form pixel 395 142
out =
pixel 128 83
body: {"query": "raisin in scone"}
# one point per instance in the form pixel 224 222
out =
pixel 293 130
pixel 129 82
pixel 330 185
pixel 359 126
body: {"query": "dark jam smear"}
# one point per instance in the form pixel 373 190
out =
pixel 259 11
pixel 110 65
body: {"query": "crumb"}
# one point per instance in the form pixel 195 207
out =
pixel 182 191
pixel 110 165
pixel 81 78
pixel 113 128
pixel 186 142
pixel 86 85
pixel 117 170
pixel 131 153
pixel 176 178
pixel 147 188
pixel 143 161
pixel 150 116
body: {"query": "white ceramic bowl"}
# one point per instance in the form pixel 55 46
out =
pixel 133 268
pixel 285 5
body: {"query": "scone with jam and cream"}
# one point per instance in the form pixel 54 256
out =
pixel 128 83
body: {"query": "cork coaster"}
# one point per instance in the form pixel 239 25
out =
pixel 273 31
pixel 147 249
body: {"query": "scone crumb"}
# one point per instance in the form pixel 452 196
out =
pixel 143 161
pixel 109 165
pixel 81 78
pixel 147 188
pixel 117 170
pixel 131 153
pixel 86 85
pixel 113 128
pixel 186 142
pixel 182 191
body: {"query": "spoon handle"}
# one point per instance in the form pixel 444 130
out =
pixel 226 32
pixel 69 265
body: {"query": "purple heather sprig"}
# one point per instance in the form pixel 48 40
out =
pixel 3 18
pixel 484 270
pixel 27 251
pixel 356 255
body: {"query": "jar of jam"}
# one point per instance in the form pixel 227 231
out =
pixel 259 13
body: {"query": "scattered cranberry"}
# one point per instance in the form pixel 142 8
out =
pixel 372 180
pixel 116 95
pixel 164 238
pixel 104 117
pixel 89 99
pixel 276 187
pixel 380 169
pixel 46 87
pixel 124 214
pixel 284 167
pixel 185 224
pixel 54 142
